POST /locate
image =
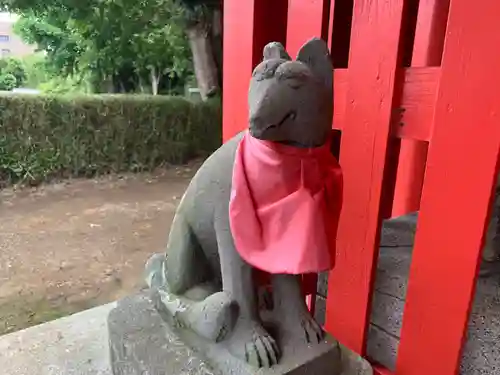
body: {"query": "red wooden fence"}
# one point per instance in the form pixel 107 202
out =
pixel 427 51
pixel 405 71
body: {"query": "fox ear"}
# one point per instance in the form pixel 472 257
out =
pixel 316 56
pixel 275 50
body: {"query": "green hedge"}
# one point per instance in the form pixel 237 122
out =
pixel 42 137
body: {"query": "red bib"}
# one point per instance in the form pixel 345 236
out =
pixel 285 206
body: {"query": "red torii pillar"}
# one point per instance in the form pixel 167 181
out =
pixel 248 26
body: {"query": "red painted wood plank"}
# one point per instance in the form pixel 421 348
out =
pixel 427 51
pixel 463 156
pixel 365 136
pixel 247 29
pixel 238 63
pixel 417 99
pixel 430 32
pixel 340 85
pixel 306 19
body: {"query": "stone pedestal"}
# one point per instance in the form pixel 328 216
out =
pixel 141 342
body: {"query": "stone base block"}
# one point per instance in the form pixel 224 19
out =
pixel 74 345
pixel 141 342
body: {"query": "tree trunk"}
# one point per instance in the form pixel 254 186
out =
pixel 217 44
pixel 203 60
pixel 141 85
pixel 102 83
pixel 155 80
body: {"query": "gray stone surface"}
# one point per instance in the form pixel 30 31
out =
pixel 399 231
pixel 382 347
pixel 387 313
pixel 353 364
pixel 482 348
pixel 79 345
pixel 74 345
pixel 142 343
pixel 396 232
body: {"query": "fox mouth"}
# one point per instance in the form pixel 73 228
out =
pixel 289 116
pixel 258 131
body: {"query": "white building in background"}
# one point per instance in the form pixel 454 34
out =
pixel 10 43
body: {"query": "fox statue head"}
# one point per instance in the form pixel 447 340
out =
pixel 292 101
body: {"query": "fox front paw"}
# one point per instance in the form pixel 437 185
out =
pixel 251 343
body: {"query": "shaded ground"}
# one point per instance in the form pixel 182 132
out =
pixel 70 246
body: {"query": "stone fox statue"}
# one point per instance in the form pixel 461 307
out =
pixel 203 280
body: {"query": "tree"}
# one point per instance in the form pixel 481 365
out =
pixel 160 46
pixel 149 47
pixel 120 45
pixel 52 33
pixel 203 27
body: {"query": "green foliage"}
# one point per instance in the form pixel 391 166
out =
pixel 37 71
pixel 14 66
pixel 7 81
pixel 12 73
pixel 123 44
pixel 43 137
pixel 52 34
pixel 72 84
pixel 39 75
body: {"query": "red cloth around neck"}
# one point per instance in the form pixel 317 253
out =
pixel 285 206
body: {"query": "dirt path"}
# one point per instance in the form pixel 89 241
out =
pixel 70 246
